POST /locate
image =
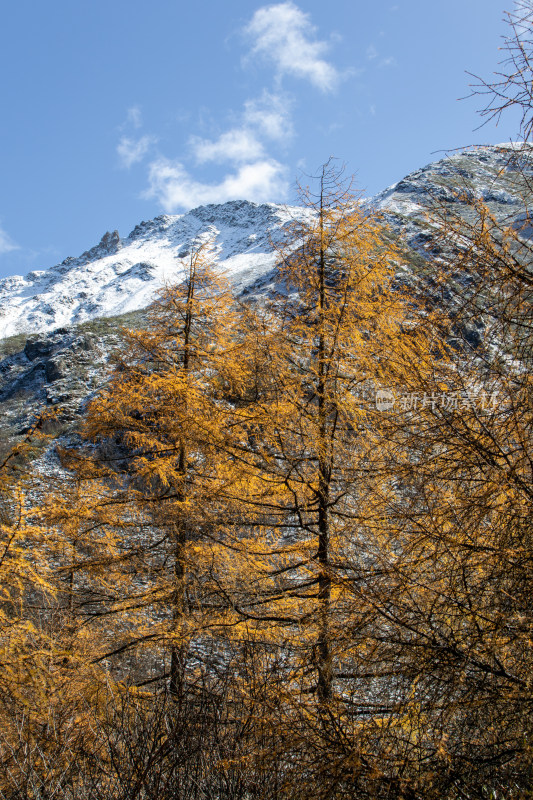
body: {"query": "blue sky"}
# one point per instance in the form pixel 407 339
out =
pixel 116 111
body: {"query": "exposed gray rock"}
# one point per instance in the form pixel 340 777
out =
pixel 86 342
pixel 57 368
pixel 38 348
pixel 108 245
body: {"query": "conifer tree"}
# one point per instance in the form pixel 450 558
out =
pixel 25 571
pixel 449 606
pixel 156 429
pixel 462 619
pixel 334 340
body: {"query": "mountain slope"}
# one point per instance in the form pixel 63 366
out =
pixel 500 175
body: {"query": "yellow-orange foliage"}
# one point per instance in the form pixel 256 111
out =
pixel 156 488
pixel 311 427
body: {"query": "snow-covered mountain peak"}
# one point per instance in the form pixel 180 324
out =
pixel 121 275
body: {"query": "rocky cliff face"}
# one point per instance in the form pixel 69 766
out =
pixel 496 173
pixel 54 373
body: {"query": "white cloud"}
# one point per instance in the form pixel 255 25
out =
pixel 131 151
pixel 237 145
pixel 175 188
pixel 135 116
pixel 371 52
pixel 266 117
pixel 270 114
pixel 7 245
pixel 282 34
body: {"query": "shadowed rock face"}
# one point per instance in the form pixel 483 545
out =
pixel 38 348
pixel 51 371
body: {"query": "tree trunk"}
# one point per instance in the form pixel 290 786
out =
pixel 324 580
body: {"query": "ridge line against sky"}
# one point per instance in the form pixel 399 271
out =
pixel 114 113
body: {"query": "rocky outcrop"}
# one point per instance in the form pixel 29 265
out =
pixel 108 245
pixel 54 370
pixel 498 174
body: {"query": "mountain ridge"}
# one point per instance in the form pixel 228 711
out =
pixel 122 275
